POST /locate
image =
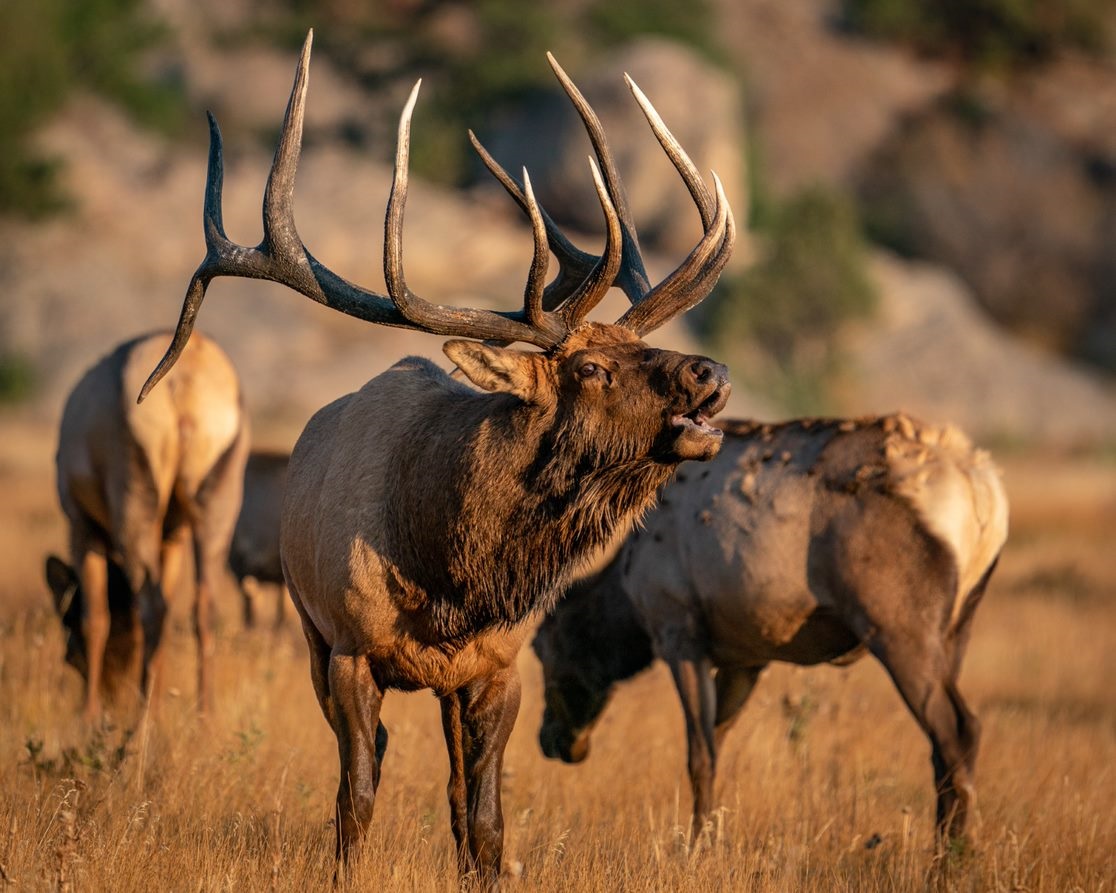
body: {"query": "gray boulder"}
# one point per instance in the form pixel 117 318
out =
pixel 931 350
pixel 702 106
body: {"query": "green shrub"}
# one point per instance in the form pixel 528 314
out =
pixel 494 61
pixel 17 378
pixel 987 33
pixel 614 22
pixel 777 322
pixel 477 87
pixel 481 86
pixel 48 49
pixel 33 83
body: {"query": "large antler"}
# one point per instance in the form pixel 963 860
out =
pixel 688 285
pixel 548 314
pixel 282 257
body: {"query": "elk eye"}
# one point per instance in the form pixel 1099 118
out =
pixel 588 370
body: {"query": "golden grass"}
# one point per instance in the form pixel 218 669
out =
pixel 825 783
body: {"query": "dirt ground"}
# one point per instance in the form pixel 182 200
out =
pixel 825 784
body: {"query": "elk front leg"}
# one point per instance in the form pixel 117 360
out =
pixel 693 676
pixel 209 566
pixel 457 790
pixel 355 700
pixel 171 557
pixel 478 720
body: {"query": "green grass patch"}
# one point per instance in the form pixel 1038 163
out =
pixel 48 50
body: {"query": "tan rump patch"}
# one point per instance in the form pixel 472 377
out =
pixel 956 490
pixel 186 424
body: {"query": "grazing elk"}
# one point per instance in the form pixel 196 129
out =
pixel 426 522
pixel 254 553
pixel 804 542
pixel 138 484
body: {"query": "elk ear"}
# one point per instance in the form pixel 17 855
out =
pixel 62 581
pixel 498 369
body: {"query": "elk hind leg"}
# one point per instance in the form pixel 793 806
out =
pixel 91 566
pixel 957 643
pixel 281 599
pixel 210 548
pixel 141 567
pixel 171 558
pixel 926 681
pixel 212 510
pixel 355 701
pixel 734 686
pixel 249 592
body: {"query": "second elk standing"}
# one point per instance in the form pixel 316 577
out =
pixel 805 542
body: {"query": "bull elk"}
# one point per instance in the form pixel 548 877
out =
pixel 426 522
pixel 138 484
pixel 254 552
pixel 806 542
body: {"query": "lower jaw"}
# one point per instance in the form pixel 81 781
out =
pixel 699 446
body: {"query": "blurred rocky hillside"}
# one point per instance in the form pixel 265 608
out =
pixel 987 198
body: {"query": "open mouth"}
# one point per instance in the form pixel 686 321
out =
pixel 697 418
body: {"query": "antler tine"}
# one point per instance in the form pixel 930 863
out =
pixel 603 275
pixel 217 244
pixel 548 328
pixel 573 263
pixel 632 276
pixel 695 277
pixel 583 279
pixel 688 285
pixel 681 161
pixel 280 234
pixel 409 304
pixel 540 260
pixel 580 286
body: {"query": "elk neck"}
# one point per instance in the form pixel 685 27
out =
pixel 520 497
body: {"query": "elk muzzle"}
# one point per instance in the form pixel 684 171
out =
pixel 703 390
pixel 559 743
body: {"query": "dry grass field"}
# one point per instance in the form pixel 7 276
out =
pixel 825 783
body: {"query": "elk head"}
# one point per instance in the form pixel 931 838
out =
pixel 604 369
pixel 593 641
pixel 65 588
pixel 575 699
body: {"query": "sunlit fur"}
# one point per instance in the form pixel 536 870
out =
pixel 806 542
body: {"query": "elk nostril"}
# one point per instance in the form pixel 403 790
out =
pixel 701 371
